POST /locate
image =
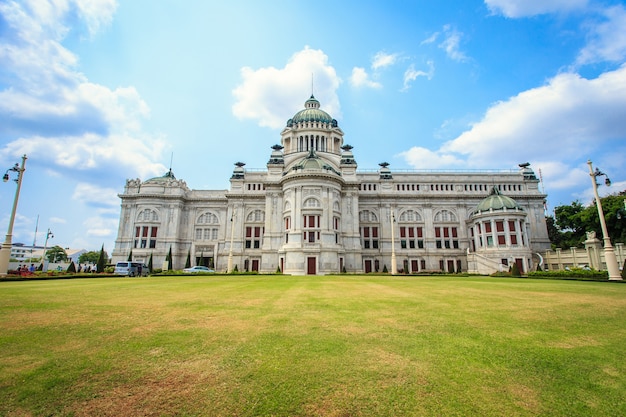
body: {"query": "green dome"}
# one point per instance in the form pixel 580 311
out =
pixel 312 113
pixel 169 175
pixel 496 201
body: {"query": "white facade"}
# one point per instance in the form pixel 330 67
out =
pixel 313 212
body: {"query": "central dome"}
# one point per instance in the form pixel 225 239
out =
pixel 312 113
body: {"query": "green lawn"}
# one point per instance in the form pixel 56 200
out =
pixel 312 346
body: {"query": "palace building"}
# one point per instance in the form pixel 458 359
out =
pixel 313 212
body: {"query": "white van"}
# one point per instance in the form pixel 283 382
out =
pixel 132 269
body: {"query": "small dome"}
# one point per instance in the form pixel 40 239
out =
pixel 312 113
pixel 169 175
pixel 496 201
pixel 313 162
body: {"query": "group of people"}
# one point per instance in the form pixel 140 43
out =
pixel 26 270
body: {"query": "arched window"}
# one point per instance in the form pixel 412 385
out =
pixel 312 203
pixel 207 218
pixel 256 216
pixel 410 216
pixel 367 216
pixel 445 216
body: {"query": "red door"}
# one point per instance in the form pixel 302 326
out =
pixel 310 269
pixel 255 265
pixel 368 266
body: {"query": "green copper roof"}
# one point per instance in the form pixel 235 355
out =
pixel 496 201
pixel 311 113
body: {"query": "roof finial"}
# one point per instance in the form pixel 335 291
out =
pixel 312 85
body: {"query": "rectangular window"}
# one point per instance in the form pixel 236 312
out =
pixel 501 240
pixel 375 244
pixel 454 232
pixel 153 232
pixel 366 232
pixel 152 243
pixel 488 227
pixel 403 232
pixel 366 244
pixel 511 225
pixel 420 244
pixel 403 244
pixel 419 232
pixel 513 239
pixel 499 226
pixel 257 244
pixel 248 232
pixel 455 244
pixel 437 232
pixel 411 232
pixel 438 244
pixel 214 234
pixel 144 232
pixel 137 231
pixel 207 234
pixel 248 244
pixel 374 231
pixel 198 234
pixel 412 244
pixel 446 232
pixel 257 232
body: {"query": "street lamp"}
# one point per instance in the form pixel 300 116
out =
pixel 394 266
pixel 44 265
pixel 5 252
pixel 609 253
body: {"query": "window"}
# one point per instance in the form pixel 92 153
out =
pixel 145 236
pixel 446 237
pixel 253 237
pixel 411 237
pixel 369 237
pixel 311 225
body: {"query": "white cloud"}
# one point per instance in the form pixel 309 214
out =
pixel 607 40
pixel 422 158
pixel 411 74
pixel 525 8
pixel 565 120
pixel 269 95
pixel 360 78
pixel 383 59
pixel 452 43
pixel 51 111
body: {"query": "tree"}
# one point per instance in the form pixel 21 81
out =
pixel 56 254
pixel 71 268
pixel 91 257
pixel 101 260
pixel 130 256
pixel 188 261
pixel 150 265
pixel 515 272
pixel 571 223
pixel 169 260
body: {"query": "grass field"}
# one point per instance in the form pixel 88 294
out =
pixel 312 346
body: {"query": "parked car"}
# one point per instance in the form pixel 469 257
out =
pixel 132 269
pixel 196 269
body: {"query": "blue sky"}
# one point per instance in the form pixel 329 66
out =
pixel 97 92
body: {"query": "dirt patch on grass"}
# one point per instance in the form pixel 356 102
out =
pixel 154 395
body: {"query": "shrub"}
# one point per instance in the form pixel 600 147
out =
pixel 71 268
pixel 515 271
pixel 624 270
pixel 573 273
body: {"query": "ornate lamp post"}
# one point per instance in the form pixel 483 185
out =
pixel 44 260
pixel 5 252
pixel 609 253
pixel 229 268
pixel 394 266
